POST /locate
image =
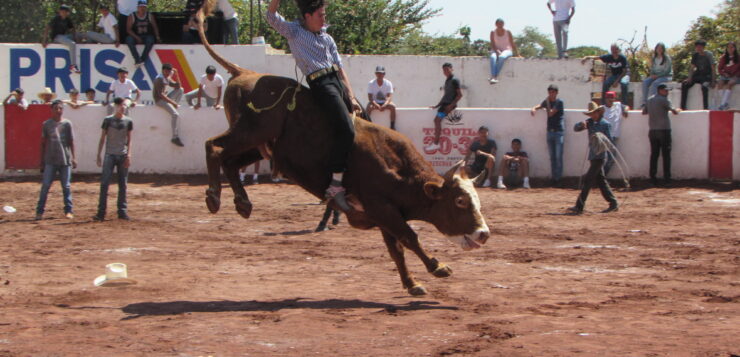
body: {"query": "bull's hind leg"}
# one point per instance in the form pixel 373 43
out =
pixel 213 162
pixel 395 248
pixel 231 170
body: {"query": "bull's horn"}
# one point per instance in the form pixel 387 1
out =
pixel 451 172
pixel 475 179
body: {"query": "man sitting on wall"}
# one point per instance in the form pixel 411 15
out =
pixel 515 170
pixel 379 92
pixel 211 86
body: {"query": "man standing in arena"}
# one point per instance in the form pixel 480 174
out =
pixel 555 137
pixel 659 124
pixel 315 53
pixel 57 156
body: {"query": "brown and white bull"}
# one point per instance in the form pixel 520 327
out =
pixel 388 181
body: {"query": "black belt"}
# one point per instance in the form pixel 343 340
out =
pixel 322 72
pixel 554 131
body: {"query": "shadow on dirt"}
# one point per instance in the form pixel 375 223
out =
pixel 180 307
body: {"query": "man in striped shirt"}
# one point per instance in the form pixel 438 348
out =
pixel 315 53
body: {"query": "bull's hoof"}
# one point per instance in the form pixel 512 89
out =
pixel 243 207
pixel 321 228
pixel 212 201
pixel 442 271
pixel 417 290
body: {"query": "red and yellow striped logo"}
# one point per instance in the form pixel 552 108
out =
pixel 178 61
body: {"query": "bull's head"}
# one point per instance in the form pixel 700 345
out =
pixel 456 209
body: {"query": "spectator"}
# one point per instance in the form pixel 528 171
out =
pixel 564 11
pixel 619 69
pixel 46 96
pixel 613 113
pixel 231 22
pixel 448 103
pixel 255 176
pixel 554 108
pixel 190 30
pixel 123 88
pixel 140 26
pixel 192 6
pixel 109 24
pixel 125 8
pixel 90 95
pixel 116 136
pixel 502 47
pixel 62 31
pixel 484 151
pixel 515 170
pixel 16 98
pixel 660 132
pixel 379 93
pixel 701 71
pixel 661 71
pixel 729 73
pixel 57 156
pixel 211 87
pixel 169 101
pixel 595 125
pixel 74 100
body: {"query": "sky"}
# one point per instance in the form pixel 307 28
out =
pixel 595 23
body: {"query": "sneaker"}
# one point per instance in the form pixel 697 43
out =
pixel 654 181
pixel 612 208
pixel 39 216
pixel 501 185
pixel 99 217
pixel 574 210
pixel 177 142
pixel 487 183
pixel 73 68
pixel 124 216
pixel 723 106
pixel 526 184
pixel 431 147
pixel 493 81
pixel 337 193
pixel 256 179
pixel 138 64
pixel 69 215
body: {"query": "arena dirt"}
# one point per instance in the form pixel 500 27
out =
pixel 661 277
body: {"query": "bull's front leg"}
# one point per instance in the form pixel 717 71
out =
pixel 395 248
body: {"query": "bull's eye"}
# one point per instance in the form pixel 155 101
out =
pixel 461 202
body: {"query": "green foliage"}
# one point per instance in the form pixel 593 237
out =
pixel 583 51
pixel 718 31
pixel 420 43
pixel 533 43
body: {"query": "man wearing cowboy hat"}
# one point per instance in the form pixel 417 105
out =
pixel 46 96
pixel 595 125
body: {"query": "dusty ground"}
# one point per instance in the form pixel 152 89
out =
pixel 661 277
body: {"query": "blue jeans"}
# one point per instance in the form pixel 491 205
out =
pixel 650 87
pixel 109 163
pixel 555 145
pixel 624 83
pixel 497 62
pixel 561 36
pixel 65 174
pixel 231 31
pixel 148 44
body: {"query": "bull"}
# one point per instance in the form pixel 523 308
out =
pixel 388 181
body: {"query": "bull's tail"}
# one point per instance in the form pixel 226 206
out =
pixel 208 6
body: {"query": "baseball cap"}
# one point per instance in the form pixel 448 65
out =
pixel 611 95
pixel 122 70
pixel 552 87
pixel 142 3
pixel 379 69
pixel 65 7
pixel 664 86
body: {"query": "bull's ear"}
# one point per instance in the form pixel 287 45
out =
pixel 433 190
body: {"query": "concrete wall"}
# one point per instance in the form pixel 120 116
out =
pixel 736 146
pixel 2 139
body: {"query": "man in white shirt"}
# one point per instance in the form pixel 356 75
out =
pixel 379 92
pixel 231 22
pixel 564 11
pixel 16 98
pixel 211 85
pixel 109 24
pixel 122 88
pixel 613 113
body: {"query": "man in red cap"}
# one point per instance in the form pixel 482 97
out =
pixel 614 110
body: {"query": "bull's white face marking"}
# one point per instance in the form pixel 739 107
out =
pixel 475 240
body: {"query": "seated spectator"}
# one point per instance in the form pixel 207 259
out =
pixel 142 29
pixel 190 30
pixel 617 63
pixel 211 87
pixel 109 24
pixel 502 47
pixel 46 96
pixel 62 31
pixel 661 71
pixel 74 100
pixel 125 8
pixel 484 149
pixel 515 170
pixel 122 88
pixel 90 95
pixel 729 74
pixel 701 71
pixel 169 101
pixel 231 22
pixel 379 92
pixel 16 98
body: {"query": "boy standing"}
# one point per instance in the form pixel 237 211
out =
pixel 555 137
pixel 116 135
pixel 57 156
pixel 515 169
pixel 595 174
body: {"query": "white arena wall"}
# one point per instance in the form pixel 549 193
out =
pixel 153 153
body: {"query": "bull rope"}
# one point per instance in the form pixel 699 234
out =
pixel 291 106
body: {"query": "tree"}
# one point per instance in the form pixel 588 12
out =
pixel 421 43
pixel 533 43
pixel 583 51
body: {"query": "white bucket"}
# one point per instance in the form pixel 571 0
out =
pixel 258 40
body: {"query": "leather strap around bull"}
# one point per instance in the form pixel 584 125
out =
pixel 291 106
